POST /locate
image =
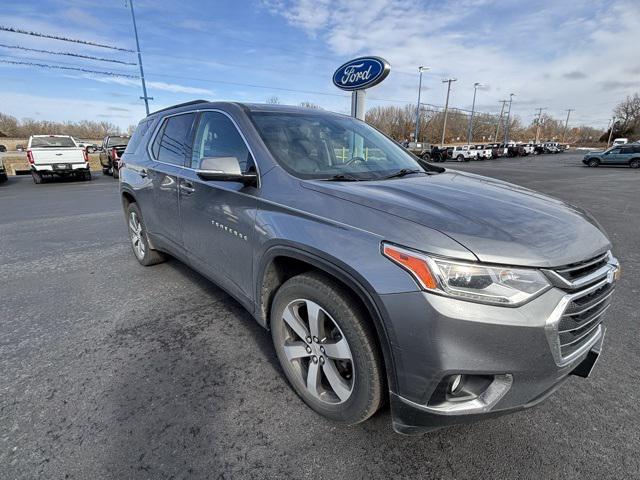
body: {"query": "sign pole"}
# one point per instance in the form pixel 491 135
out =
pixel 357 103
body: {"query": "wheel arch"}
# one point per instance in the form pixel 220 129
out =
pixel 281 262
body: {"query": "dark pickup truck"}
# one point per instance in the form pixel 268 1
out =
pixel 113 146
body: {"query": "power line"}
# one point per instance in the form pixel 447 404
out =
pixel 69 54
pixel 63 39
pixel 60 67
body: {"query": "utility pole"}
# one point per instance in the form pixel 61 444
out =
pixel 446 107
pixel 613 121
pixel 539 123
pixel 566 123
pixel 473 107
pixel 420 69
pixel 504 102
pixel 506 128
pixel 144 85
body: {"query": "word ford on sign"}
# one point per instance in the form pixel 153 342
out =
pixel 361 73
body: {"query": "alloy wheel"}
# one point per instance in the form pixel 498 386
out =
pixel 135 231
pixel 318 352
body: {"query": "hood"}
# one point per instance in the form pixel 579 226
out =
pixel 497 221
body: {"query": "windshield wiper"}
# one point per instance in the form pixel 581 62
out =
pixel 342 177
pixel 402 172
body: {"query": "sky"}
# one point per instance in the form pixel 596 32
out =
pixel 580 54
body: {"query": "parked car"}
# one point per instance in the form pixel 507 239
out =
pixel 51 155
pixel 624 154
pixel 483 152
pixel 439 154
pixel 420 149
pixel 3 172
pixel 462 153
pixel 551 147
pixel 89 146
pixel 538 149
pixel 620 141
pixel 3 148
pixel 113 146
pixel 496 151
pixel 527 148
pixel 453 296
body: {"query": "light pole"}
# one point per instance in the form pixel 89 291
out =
pixel 473 107
pixel 566 123
pixel 539 123
pixel 420 69
pixel 144 85
pixel 504 102
pixel 613 121
pixel 446 107
pixel 506 128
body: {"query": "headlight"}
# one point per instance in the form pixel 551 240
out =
pixel 470 281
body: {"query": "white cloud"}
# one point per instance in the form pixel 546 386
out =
pixel 578 55
pixel 166 87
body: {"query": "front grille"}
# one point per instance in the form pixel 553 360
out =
pixel 577 270
pixel 590 298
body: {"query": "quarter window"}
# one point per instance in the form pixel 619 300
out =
pixel 173 141
pixel 217 136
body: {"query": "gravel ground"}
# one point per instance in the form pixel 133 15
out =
pixel 112 370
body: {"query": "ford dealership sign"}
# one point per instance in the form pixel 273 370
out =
pixel 361 73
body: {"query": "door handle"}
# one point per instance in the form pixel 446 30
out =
pixel 143 173
pixel 186 187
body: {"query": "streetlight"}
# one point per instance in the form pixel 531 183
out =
pixel 506 128
pixel 446 107
pixel 420 69
pixel 473 106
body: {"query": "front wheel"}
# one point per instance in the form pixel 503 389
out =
pixel 635 163
pixel 593 162
pixel 460 158
pixel 327 348
pixel 115 173
pixel 37 177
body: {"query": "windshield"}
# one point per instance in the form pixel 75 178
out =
pixel 317 146
pixel 117 141
pixel 52 142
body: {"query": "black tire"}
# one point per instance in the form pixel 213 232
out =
pixel 37 178
pixel 634 163
pixel 148 256
pixel 593 162
pixel 86 176
pixel 115 173
pixel 460 158
pixel 367 380
pixel 426 157
pixel 106 171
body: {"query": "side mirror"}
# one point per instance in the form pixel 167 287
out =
pixel 225 169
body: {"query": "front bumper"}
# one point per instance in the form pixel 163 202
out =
pixel 434 337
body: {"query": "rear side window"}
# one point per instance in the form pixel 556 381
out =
pixel 173 141
pixel 138 135
pixel 217 136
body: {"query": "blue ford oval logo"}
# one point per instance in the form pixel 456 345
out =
pixel 360 73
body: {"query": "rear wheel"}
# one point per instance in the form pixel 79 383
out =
pixel 460 158
pixel 116 173
pixel 86 176
pixel 105 171
pixel 139 241
pixel 635 163
pixel 593 162
pixel 37 178
pixel 327 348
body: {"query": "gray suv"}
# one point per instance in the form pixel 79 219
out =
pixel 628 154
pixel 452 296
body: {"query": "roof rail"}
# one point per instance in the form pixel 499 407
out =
pixel 185 104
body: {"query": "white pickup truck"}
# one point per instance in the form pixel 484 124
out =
pixel 51 155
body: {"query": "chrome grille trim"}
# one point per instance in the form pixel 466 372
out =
pixel 600 284
pixel 586 264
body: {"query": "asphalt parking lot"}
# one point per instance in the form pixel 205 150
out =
pixel 112 370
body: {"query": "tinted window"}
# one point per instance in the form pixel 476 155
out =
pixel 173 142
pixel 217 136
pixel 636 149
pixel 52 142
pixel 113 141
pixel 138 135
